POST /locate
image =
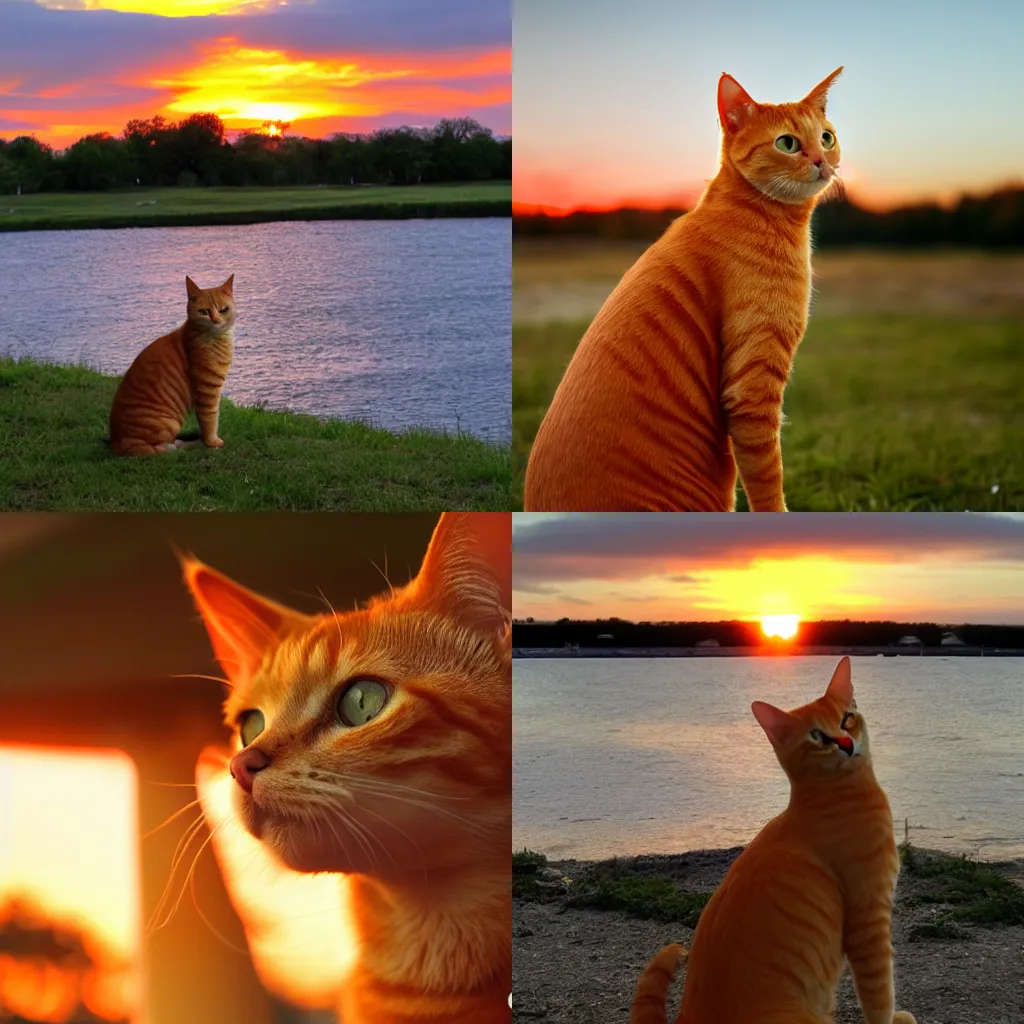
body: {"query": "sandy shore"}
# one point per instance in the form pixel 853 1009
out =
pixel 576 966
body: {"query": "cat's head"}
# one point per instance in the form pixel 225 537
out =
pixel 821 738
pixel 376 741
pixel 212 310
pixel 788 151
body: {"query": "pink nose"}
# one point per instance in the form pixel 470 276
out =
pixel 245 764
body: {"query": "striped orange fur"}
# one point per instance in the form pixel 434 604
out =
pixel 813 890
pixel 652 988
pixel 408 800
pixel 678 382
pixel 183 370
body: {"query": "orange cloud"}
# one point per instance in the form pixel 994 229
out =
pixel 246 86
pixel 165 8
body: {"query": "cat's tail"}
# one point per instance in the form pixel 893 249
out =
pixel 652 988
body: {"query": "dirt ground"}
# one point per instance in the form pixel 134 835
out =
pixel 569 279
pixel 574 966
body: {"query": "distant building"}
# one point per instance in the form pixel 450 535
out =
pixel 908 641
pixel 951 640
pixel 605 638
pixel 707 643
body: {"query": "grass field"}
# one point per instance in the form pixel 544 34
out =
pixel 170 207
pixel 52 458
pixel 905 395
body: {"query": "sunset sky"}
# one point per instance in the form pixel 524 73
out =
pixel 69 68
pixel 948 568
pixel 617 104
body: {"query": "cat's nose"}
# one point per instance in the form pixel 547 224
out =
pixel 819 161
pixel 245 764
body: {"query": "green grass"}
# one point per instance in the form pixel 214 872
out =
pixel 608 885
pixel 169 207
pixel 52 458
pixel 886 412
pixel 967 891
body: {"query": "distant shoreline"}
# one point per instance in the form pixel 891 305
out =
pixel 766 651
pixel 225 206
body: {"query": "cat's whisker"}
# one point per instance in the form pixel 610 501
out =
pixel 199 675
pixel 179 854
pixel 369 780
pixel 188 875
pixel 209 924
pixel 471 825
pixel 177 814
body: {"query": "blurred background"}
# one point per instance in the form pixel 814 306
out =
pixel 905 392
pixel 98 745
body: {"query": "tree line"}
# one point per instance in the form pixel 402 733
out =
pixel 197 151
pixel 992 221
pixel 843 633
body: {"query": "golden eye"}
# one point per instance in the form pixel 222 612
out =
pixel 828 140
pixel 848 721
pixel 226 309
pixel 788 144
pixel 250 725
pixel 360 702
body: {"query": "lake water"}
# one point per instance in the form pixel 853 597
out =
pixel 402 323
pixel 619 757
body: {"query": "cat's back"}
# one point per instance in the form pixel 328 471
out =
pixel 770 939
pixel 636 421
pixel 156 384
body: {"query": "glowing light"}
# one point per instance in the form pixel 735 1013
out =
pixel 782 626
pixel 299 927
pixel 74 868
pixel 164 8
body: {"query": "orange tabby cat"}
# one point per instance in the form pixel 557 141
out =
pixel 813 889
pixel 679 378
pixel 377 744
pixel 182 370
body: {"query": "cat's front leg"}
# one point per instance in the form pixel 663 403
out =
pixel 867 942
pixel 752 385
pixel 208 414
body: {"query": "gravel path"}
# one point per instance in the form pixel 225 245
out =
pixel 575 966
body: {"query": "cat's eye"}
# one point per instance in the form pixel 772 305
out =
pixel 848 719
pixel 828 140
pixel 250 725
pixel 360 702
pixel 817 735
pixel 205 312
pixel 226 309
pixel 788 144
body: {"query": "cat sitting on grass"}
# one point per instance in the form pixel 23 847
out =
pixel 183 370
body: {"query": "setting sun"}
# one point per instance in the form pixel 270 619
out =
pixel 782 626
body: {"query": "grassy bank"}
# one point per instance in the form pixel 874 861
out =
pixel 950 894
pixel 173 207
pixel 52 458
pixel 886 411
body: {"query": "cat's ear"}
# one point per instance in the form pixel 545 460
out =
pixel 192 288
pixel 228 287
pixel 818 96
pixel 778 725
pixel 735 107
pixel 467 571
pixel 840 689
pixel 242 625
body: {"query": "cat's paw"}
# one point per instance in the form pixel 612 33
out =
pixel 215 443
pixel 902 1017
